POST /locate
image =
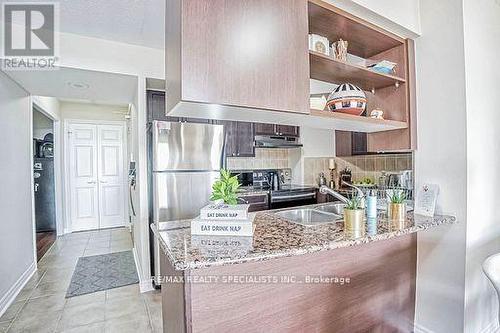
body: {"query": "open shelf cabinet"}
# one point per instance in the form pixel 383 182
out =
pixel 393 94
pixel 365 39
pixel 359 123
pixel 325 68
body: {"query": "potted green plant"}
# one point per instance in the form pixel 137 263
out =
pixel 354 217
pixel 225 189
pixel 396 210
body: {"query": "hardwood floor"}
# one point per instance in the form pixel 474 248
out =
pixel 44 241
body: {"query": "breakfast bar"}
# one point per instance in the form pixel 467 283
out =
pixel 289 277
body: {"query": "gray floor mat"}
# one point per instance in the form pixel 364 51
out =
pixel 102 272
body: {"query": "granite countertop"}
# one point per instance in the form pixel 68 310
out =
pixel 276 237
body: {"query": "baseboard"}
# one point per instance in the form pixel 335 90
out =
pixel 12 293
pixel 491 327
pixel 421 329
pixel 145 285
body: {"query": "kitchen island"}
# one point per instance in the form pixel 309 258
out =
pixel 291 278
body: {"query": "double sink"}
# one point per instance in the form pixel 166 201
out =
pixel 312 216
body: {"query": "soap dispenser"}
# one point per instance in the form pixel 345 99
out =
pixel 371 204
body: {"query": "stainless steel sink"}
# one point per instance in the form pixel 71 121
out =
pixel 332 208
pixel 308 216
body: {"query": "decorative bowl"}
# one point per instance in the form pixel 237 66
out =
pixel 347 98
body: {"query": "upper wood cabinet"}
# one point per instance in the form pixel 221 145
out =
pixel 249 60
pixel 288 130
pixel 265 129
pixel 359 143
pixel 272 129
pixel 156 107
pixel 239 139
pixel 156 110
pixel 246 53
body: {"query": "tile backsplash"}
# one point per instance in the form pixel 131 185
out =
pixel 361 166
pixel 265 158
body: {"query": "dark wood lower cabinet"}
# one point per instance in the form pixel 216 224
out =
pixel 375 292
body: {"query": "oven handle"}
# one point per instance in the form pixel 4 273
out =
pixel 296 196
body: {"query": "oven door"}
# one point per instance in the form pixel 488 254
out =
pixel 292 199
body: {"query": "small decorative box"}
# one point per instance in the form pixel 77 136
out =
pixel 319 44
pixel 223 228
pixel 221 212
pixel 222 246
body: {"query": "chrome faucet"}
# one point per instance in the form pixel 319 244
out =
pixel 326 190
pixel 359 192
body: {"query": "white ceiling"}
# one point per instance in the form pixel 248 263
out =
pixel 98 87
pixel 138 22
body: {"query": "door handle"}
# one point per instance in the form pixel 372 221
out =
pixel 92 182
pixel 103 181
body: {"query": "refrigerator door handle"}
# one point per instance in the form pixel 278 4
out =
pixel 132 207
pixel 224 151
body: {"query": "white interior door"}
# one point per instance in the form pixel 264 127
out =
pixel 111 176
pixel 83 177
pixel 97 179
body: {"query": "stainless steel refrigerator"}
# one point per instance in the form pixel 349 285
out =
pixel 185 160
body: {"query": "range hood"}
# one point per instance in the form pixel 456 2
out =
pixel 271 141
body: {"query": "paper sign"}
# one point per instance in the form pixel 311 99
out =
pixel 426 198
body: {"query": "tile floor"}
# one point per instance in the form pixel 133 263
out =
pixel 42 307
